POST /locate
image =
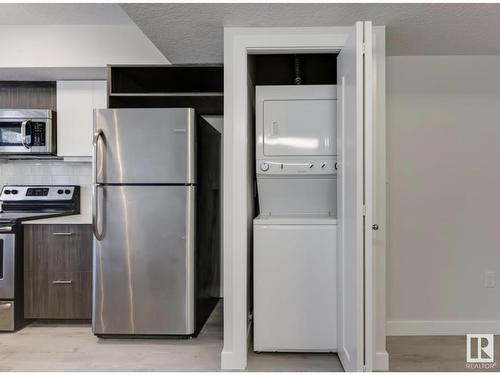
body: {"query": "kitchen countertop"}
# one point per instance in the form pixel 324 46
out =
pixel 83 218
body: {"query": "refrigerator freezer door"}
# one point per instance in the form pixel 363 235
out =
pixel 144 265
pixel 145 146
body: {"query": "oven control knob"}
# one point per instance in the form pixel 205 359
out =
pixel 67 191
pixel 264 167
pixel 7 191
pixel 14 191
pixel 60 191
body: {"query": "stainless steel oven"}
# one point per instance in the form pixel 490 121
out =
pixel 9 267
pixel 27 131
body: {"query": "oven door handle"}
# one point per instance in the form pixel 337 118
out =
pixel 5 229
pixel 24 124
pixel 5 306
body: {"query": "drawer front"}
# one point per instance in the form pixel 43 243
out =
pixel 70 248
pixel 70 295
pixel 6 315
pixel 58 248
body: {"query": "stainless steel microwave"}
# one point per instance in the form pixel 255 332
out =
pixel 27 131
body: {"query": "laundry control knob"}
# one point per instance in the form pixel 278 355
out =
pixel 14 191
pixel 60 191
pixel 264 167
pixel 323 165
pixel 7 191
pixel 311 165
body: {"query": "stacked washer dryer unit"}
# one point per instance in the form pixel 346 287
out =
pixel 295 306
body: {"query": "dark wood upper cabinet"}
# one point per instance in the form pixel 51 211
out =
pixel 28 95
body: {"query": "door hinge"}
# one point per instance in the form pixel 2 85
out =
pixel 364 210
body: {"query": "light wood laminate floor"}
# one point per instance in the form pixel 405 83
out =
pixel 431 353
pixel 73 347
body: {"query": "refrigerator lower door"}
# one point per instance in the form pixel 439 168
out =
pixel 144 265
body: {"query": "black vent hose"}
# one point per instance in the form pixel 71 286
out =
pixel 298 78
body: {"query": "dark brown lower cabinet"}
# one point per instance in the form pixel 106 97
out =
pixel 57 271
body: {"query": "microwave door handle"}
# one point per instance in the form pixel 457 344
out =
pixel 24 124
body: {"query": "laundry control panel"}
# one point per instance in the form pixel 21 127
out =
pixel 302 167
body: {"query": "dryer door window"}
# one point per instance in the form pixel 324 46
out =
pixel 299 127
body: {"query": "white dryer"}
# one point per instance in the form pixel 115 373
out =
pixel 295 233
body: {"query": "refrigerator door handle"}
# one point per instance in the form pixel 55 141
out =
pixel 97 135
pixel 95 207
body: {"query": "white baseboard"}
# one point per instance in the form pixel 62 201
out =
pixel 441 327
pixel 381 361
pixel 230 361
pixel 237 361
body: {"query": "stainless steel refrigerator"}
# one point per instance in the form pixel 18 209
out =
pixel 144 221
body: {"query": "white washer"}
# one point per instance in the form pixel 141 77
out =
pixel 295 234
pixel 295 307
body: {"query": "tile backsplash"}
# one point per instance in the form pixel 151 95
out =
pixel 49 173
pixel 45 173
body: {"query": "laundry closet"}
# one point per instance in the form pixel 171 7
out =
pixel 303 117
pixel 294 231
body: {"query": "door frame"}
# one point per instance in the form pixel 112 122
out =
pixel 238 170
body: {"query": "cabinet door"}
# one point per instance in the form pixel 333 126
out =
pixel 57 271
pixel 76 101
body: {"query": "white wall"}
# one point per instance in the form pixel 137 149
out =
pixel 443 145
pixel 41 37
pixel 75 46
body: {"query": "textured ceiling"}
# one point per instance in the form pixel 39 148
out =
pixel 194 32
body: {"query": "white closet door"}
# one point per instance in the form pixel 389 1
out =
pixel 354 80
